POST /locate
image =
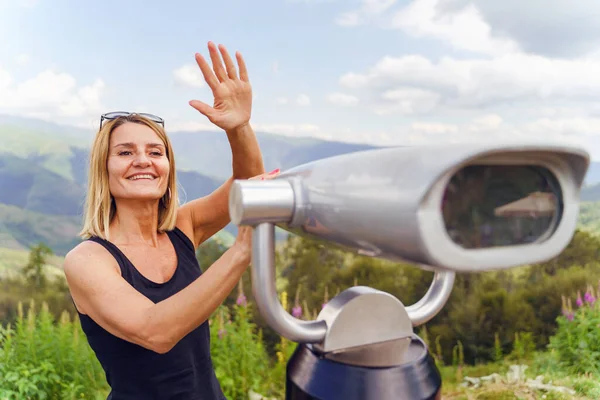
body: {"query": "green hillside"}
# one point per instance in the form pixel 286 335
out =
pixel 20 229
pixel 13 260
pixel 63 150
pixel 30 186
pixel 589 217
pixel 43 148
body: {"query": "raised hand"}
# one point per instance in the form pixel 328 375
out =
pixel 232 92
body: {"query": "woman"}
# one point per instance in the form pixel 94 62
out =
pixel 135 281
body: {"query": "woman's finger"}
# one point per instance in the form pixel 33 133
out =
pixel 242 65
pixel 229 65
pixel 216 62
pixel 209 77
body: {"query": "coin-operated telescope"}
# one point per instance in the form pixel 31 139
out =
pixel 451 208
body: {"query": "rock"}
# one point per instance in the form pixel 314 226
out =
pixel 538 384
pixel 516 373
pixel 252 395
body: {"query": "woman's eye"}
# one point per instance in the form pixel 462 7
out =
pixel 124 153
pixel 157 153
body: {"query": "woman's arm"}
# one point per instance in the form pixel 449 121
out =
pixel 208 215
pixel 99 291
pixel 231 111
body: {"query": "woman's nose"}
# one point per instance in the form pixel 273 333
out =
pixel 141 160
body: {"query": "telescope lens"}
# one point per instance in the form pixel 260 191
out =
pixel 495 205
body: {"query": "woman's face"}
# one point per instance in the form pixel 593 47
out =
pixel 138 167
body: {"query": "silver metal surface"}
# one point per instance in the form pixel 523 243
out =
pixel 265 292
pixel 254 201
pixel 361 316
pixel 383 354
pixel 434 300
pixel 387 202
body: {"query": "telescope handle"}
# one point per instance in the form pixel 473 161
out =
pixel 300 331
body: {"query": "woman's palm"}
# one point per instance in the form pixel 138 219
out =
pixel 232 93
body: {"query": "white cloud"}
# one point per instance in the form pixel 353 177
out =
pixel 350 18
pixel 282 100
pixel 342 99
pixel 464 29
pixel 296 130
pixel 50 95
pixel 189 75
pixel 490 128
pixel 475 83
pixel 433 128
pixel 275 67
pixel 288 129
pixel 368 10
pixel 408 101
pixel 545 27
pixel 303 100
pixel 548 27
pixel 510 79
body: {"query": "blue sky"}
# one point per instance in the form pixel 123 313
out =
pixel 374 71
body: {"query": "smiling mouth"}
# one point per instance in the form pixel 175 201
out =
pixel 141 177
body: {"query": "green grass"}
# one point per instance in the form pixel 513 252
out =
pixel 586 387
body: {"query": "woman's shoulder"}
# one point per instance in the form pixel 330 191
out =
pixel 85 253
pixel 184 225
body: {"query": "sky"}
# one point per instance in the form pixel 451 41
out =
pixel 385 72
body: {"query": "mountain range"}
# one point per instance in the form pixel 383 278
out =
pixel 43 173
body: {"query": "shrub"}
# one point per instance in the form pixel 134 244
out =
pixel 41 359
pixel 240 360
pixel 577 339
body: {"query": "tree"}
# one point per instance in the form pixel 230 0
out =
pixel 34 270
pixel 209 252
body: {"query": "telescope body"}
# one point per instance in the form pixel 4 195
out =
pixel 459 208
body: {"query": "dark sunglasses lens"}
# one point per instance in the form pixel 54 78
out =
pixel 116 114
pixel 152 117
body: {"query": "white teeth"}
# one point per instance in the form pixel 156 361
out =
pixel 141 177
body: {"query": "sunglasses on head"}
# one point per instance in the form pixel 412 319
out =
pixel 117 114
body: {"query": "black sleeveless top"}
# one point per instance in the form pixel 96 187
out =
pixel 134 372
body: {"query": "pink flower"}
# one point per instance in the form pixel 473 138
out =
pixel 579 301
pixel 589 298
pixel 241 300
pixel 297 311
pixel 570 316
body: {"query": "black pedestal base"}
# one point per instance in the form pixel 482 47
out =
pixel 312 377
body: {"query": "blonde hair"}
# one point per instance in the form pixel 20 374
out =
pixel 99 207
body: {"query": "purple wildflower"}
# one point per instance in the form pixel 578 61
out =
pixel 579 301
pixel 297 311
pixel 222 333
pixel 241 300
pixel 589 298
pixel 570 316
